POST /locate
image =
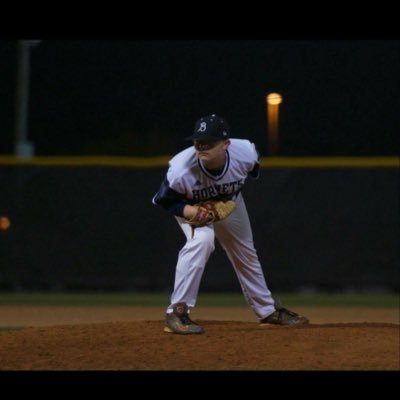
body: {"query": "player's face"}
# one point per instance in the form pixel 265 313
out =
pixel 205 145
pixel 208 150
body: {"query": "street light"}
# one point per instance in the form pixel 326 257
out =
pixel 23 148
pixel 273 100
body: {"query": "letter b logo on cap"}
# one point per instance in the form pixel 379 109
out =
pixel 202 127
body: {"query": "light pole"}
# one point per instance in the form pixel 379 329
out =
pixel 272 101
pixel 23 148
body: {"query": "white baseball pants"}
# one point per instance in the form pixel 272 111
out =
pixel 236 238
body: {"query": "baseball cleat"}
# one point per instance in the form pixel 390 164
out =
pixel 283 316
pixel 179 322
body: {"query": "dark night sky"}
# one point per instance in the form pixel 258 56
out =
pixel 126 97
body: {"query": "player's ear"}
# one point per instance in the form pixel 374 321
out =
pixel 227 143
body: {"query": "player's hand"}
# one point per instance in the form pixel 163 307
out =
pixel 197 215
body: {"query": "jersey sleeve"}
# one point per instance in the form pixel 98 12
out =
pixel 172 195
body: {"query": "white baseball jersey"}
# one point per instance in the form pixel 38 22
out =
pixel 188 181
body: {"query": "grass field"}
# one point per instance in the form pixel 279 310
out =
pixel 204 299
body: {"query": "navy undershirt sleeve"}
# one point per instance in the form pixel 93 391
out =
pixel 169 199
pixel 255 172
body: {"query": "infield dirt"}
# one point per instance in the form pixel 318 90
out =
pixel 132 338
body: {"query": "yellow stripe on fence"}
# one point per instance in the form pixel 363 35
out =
pixel 323 162
pixel 162 161
pixel 102 161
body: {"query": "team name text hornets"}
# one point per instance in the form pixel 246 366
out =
pixel 217 189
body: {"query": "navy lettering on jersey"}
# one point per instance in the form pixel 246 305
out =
pixel 203 193
pixel 211 191
pixel 215 190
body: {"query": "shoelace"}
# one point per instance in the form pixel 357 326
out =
pixel 282 311
pixel 293 314
pixel 186 320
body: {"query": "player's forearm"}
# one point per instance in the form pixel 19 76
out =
pixel 174 207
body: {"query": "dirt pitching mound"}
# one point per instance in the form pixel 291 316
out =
pixel 226 345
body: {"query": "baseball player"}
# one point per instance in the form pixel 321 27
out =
pixel 215 169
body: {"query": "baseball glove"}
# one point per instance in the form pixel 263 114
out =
pixel 211 211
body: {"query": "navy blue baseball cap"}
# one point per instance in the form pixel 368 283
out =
pixel 211 127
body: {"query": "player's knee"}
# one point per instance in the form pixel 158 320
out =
pixel 205 238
